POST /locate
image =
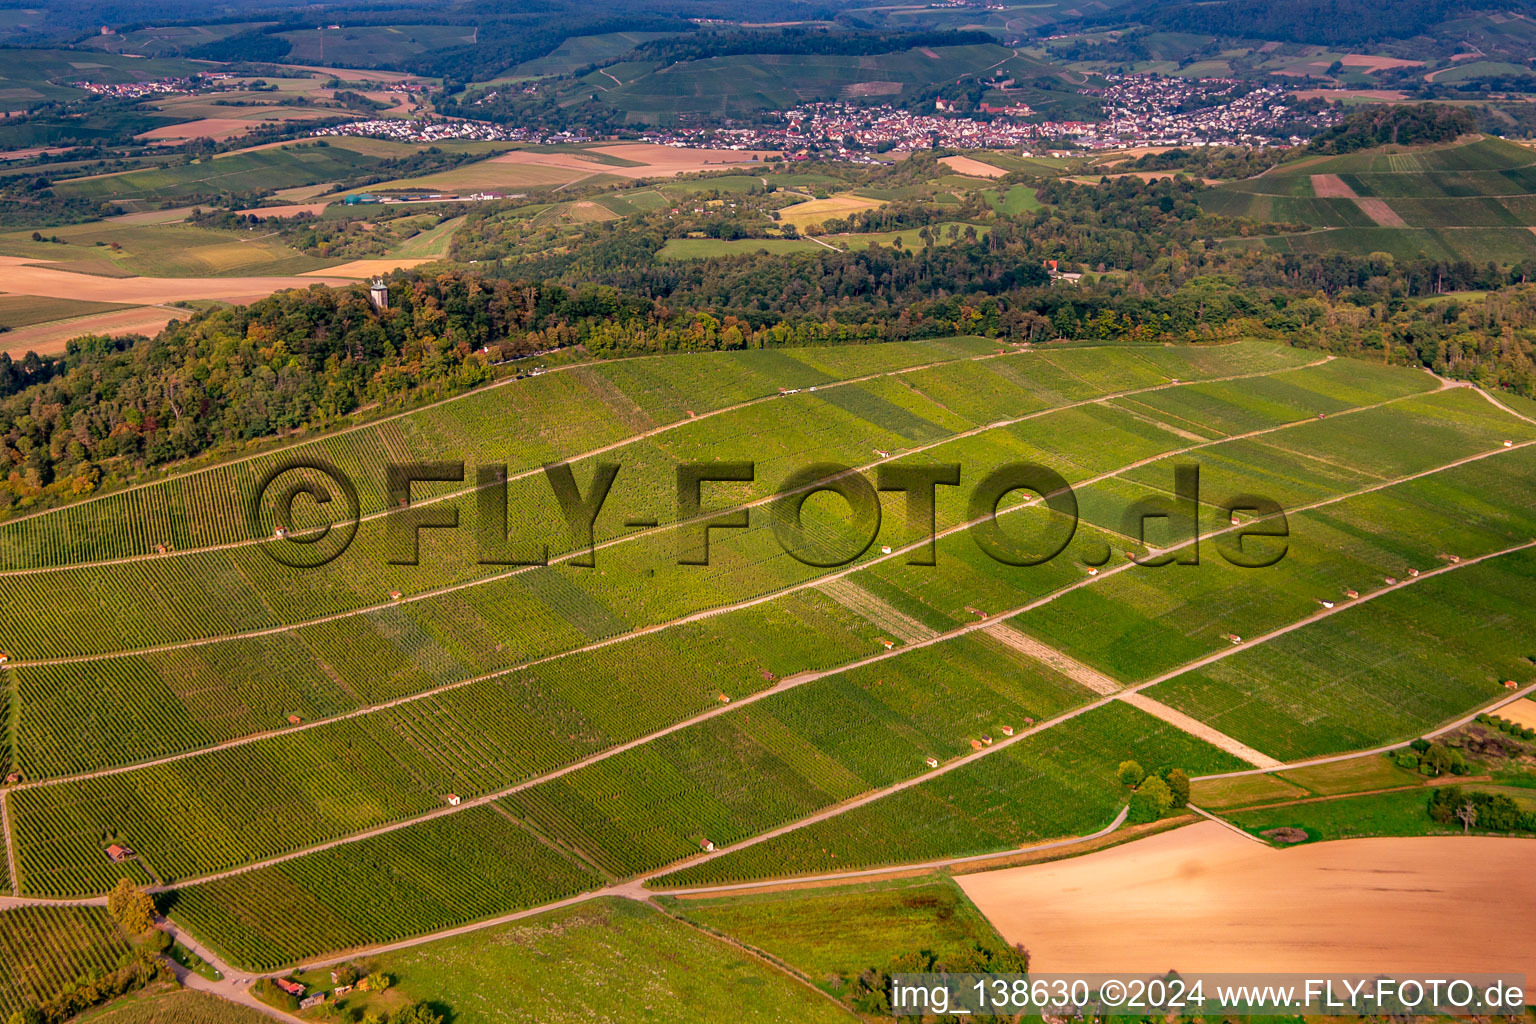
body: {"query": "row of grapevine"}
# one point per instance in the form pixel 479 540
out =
pixel 408 882
pixel 795 753
pixel 209 506
pixel 1055 783
pixel 45 950
pixel 229 807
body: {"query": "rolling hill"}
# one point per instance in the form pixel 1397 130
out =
pixel 737 85
pixel 1473 199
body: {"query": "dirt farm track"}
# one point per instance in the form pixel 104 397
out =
pixel 1204 898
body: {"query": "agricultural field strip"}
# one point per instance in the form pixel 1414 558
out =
pixel 710 612
pixel 454 495
pixel 930 865
pixel 790 682
pixel 1528 690
pixel 635 890
pixel 1224 823
pixel 667 527
pixel 948 766
pixel 1195 727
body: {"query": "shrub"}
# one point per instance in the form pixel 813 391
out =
pixel 1178 785
pixel 1151 801
pixel 1130 773
pixel 134 910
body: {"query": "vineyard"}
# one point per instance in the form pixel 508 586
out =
pixel 403 883
pixel 312 762
pixel 219 810
pixel 794 753
pixel 43 950
pixel 208 507
pixel 196 695
pixel 1056 783
pixel 199 594
pixel 1457 638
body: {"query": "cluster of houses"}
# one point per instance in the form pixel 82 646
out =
pixel 1153 110
pixel 1141 110
pixel 445 129
pixel 153 87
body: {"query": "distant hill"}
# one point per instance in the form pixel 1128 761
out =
pixel 659 92
pixel 1472 199
pixel 1326 22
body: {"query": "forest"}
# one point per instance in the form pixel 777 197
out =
pixel 1421 124
pixel 704 45
pixel 1323 22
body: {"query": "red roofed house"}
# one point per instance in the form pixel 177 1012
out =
pixel 293 988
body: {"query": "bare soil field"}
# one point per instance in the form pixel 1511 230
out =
pixel 975 168
pixel 1217 901
pixel 1376 95
pixel 50 338
pixel 1364 60
pixel 264 212
pixel 1522 712
pixel 222 128
pixel 666 161
pixel 367 268
pixel 1381 213
pixel 31 277
pixel 1331 186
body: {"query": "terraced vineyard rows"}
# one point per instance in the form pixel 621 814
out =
pixel 207 594
pixel 209 507
pixel 411 882
pixel 489 692
pixel 389 766
pixel 427 643
pixel 794 753
pixel 415 777
pixel 43 950
pixel 1056 783
pixel 1353 682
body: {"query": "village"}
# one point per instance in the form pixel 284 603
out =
pixel 1141 110
pixel 154 87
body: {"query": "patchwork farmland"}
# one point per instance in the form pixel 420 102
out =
pixel 1471 200
pixel 305 763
